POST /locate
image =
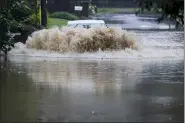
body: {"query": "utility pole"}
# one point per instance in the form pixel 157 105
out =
pixel 43 13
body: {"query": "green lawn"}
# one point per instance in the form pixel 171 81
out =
pixel 121 10
pixel 56 22
pixel 116 10
pixel 108 10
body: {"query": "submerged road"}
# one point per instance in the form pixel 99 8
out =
pixel 148 87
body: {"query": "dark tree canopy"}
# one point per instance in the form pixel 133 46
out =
pixel 171 9
pixel 16 16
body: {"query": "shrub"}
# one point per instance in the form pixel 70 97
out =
pixel 14 14
pixel 64 15
pixel 17 16
pixel 92 9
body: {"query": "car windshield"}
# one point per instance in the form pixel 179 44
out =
pixel 86 25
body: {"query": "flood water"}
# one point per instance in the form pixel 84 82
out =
pixel 135 86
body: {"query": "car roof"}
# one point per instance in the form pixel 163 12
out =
pixel 86 22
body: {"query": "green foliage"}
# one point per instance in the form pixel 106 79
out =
pixel 14 17
pixel 5 42
pixel 92 9
pixel 171 9
pixel 36 17
pixel 64 15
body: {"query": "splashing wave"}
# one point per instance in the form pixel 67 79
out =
pixel 81 40
pixel 109 44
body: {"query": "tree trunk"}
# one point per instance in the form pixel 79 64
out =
pixel 43 13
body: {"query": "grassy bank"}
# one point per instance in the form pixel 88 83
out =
pixel 56 22
pixel 122 10
pixel 61 18
pixel 116 10
pixel 108 10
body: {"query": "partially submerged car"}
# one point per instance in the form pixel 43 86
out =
pixel 86 24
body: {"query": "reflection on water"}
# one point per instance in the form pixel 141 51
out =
pixel 18 96
pixel 89 90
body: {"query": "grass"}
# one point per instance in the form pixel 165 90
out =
pixel 122 10
pixel 108 10
pixel 64 15
pixel 116 10
pixel 56 22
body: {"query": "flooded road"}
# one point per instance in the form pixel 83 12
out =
pixel 97 87
pixel 131 21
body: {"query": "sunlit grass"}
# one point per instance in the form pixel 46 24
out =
pixel 108 10
pixel 123 10
pixel 56 22
pixel 116 10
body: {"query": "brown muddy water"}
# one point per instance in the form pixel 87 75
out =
pixel 92 90
pixel 115 86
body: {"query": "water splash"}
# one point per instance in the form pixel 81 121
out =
pixel 149 44
pixel 81 40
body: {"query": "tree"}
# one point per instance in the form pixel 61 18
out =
pixel 171 9
pixel 16 16
pixel 2 2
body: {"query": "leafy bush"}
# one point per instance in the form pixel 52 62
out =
pixel 16 16
pixel 170 9
pixel 36 16
pixel 64 15
pixel 92 9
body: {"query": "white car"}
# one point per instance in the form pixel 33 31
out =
pixel 86 23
